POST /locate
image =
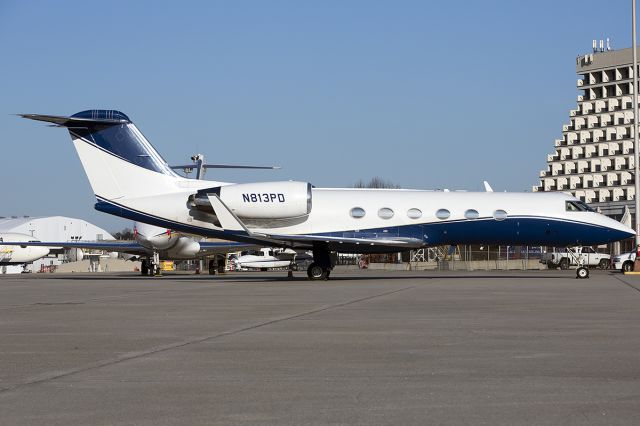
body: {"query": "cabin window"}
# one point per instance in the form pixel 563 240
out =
pixel 499 215
pixel 385 213
pixel 358 212
pixel 471 214
pixel 414 213
pixel 443 214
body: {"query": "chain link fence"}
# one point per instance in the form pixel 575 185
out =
pixel 462 257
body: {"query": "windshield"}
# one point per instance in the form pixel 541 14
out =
pixel 577 206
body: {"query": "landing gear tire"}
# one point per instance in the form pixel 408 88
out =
pixel 627 266
pixel 144 267
pixel 603 264
pixel 582 273
pixel 564 264
pixel 212 267
pixel 317 272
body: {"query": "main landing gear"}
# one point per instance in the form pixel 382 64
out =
pixel 217 264
pixel 151 266
pixel 322 265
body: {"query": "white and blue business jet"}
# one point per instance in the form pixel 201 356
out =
pixel 131 179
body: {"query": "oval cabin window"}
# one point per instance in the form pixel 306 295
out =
pixel 471 214
pixel 443 214
pixel 385 213
pixel 414 213
pixel 357 212
pixel 499 215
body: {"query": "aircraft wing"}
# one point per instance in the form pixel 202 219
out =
pixel 224 247
pixel 119 246
pixel 364 243
pixel 390 243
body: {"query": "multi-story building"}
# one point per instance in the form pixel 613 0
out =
pixel 594 158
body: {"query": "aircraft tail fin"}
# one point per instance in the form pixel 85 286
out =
pixel 118 160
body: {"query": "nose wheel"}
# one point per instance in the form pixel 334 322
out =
pixel 582 273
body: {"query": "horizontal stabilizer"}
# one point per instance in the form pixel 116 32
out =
pixel 224 166
pixel 108 119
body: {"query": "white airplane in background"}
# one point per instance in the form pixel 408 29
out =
pixel 19 254
pixel 270 258
pixel 131 179
pixel 152 244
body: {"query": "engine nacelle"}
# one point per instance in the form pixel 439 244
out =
pixel 74 254
pixel 185 248
pixel 268 200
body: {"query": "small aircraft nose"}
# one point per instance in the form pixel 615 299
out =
pixel 41 251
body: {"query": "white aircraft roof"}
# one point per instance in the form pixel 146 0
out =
pixel 54 228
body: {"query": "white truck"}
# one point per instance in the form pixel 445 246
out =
pixel 624 262
pixel 565 258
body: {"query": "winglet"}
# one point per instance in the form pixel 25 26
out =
pixel 487 187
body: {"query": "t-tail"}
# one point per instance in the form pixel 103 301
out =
pixel 118 160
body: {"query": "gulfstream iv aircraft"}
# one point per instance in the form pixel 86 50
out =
pixel 130 179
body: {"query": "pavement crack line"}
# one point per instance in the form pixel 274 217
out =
pixel 633 287
pixel 47 377
pixel 125 295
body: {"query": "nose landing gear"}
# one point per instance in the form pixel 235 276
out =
pixel 582 273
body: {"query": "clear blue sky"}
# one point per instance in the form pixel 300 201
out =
pixel 427 94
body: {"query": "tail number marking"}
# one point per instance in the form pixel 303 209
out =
pixel 263 198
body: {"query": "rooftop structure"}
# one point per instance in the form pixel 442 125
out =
pixel 594 158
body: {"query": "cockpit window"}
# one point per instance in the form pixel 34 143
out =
pixel 578 206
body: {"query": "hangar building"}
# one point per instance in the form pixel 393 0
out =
pixel 51 228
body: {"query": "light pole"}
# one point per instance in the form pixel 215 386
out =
pixel 635 121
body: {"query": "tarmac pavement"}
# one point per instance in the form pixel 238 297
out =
pixel 364 348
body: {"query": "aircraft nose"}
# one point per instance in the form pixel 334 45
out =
pixel 619 230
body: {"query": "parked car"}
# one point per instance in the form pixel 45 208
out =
pixel 565 258
pixel 624 262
